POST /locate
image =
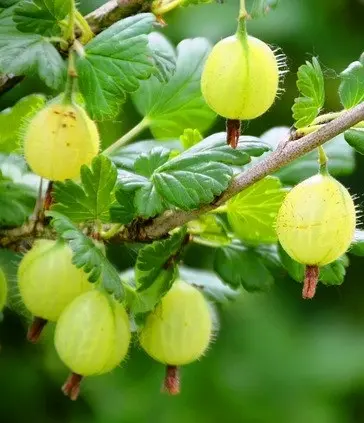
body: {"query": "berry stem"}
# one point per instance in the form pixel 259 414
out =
pixel 323 160
pixel 143 124
pixel 35 329
pixel 70 31
pixel 310 282
pixel 160 7
pixel 71 79
pixel 172 380
pixel 241 32
pixel 86 31
pixel 71 387
pixel 233 127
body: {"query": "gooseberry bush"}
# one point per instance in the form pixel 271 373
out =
pixel 264 206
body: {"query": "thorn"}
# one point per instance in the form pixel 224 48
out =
pixel 310 282
pixel 35 329
pixel 172 381
pixel 233 132
pixel 71 387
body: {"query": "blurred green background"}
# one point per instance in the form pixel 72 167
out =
pixel 277 359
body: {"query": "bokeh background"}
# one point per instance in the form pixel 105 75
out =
pixel 277 359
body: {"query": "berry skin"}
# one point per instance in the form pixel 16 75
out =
pixel 3 290
pixel 240 80
pixel 48 281
pixel 179 330
pixel 316 221
pixel 59 140
pixel 93 334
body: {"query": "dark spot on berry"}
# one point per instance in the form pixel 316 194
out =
pixel 67 144
pixel 64 125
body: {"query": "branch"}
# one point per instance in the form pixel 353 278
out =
pixel 100 19
pixel 290 151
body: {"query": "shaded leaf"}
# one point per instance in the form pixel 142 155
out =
pixel 351 90
pixel 123 211
pixel 164 56
pixel 355 138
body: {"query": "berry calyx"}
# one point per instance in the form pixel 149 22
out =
pixel 92 337
pixel 240 79
pixel 48 281
pixel 316 224
pixel 59 140
pixel 178 331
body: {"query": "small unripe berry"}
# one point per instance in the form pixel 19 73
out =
pixel 93 334
pixel 316 221
pixel 179 330
pixel 59 140
pixel 48 280
pixel 240 79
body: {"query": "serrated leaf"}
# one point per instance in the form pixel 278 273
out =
pixel 148 202
pixel 239 266
pixel 355 138
pixel 123 211
pixel 87 255
pixel 341 158
pixel 126 156
pixel 311 87
pixel 92 199
pixel 129 181
pixel 178 104
pixel 147 163
pixel 115 62
pixel 190 137
pixel 351 90
pixel 13 120
pixel 30 54
pixel 41 16
pixel 153 258
pixel 252 213
pixel 17 202
pixel 164 56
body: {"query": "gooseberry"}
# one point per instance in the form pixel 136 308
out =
pixel 178 331
pixel 48 281
pixel 316 224
pixel 92 337
pixel 59 140
pixel 240 79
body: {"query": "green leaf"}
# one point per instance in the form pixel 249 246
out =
pixel 17 202
pixel 341 158
pixel 164 56
pixel 123 211
pixel 115 62
pixel 211 228
pixel 30 54
pixel 238 266
pixel 186 3
pixel 7 24
pixel 351 90
pixel 262 7
pixel 87 255
pixel 153 258
pixel 209 283
pixel 190 137
pixel 295 270
pixel 148 202
pixel 178 104
pixel 355 138
pixel 147 163
pixel 92 199
pixel 41 16
pixel 252 213
pixel 357 247
pixel 13 121
pixel 311 86
pixel 126 156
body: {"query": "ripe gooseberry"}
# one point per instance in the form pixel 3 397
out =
pixel 178 331
pixel 48 281
pixel 240 79
pixel 59 140
pixel 316 224
pixel 92 337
